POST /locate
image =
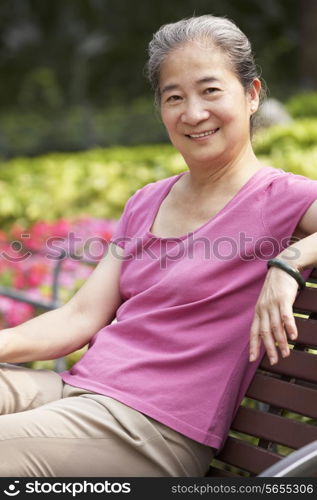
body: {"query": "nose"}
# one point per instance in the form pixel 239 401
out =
pixel 194 112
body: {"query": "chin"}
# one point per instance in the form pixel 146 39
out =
pixel 201 158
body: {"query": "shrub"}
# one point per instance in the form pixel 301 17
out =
pixel 96 182
pixel 303 105
pixel 78 128
pixel 292 147
pixel 99 181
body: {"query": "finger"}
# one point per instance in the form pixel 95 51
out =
pixel 287 317
pixel 278 331
pixel 255 339
pixel 267 337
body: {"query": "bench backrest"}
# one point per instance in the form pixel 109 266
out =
pixel 279 412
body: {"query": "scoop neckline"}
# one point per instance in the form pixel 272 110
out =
pixel 209 221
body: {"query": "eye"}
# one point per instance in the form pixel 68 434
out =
pixel 173 98
pixel 211 90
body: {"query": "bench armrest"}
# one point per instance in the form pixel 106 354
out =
pixel 300 463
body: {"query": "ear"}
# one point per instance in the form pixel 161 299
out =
pixel 254 95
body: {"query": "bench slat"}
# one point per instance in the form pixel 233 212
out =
pixel 299 364
pixel 246 456
pixel 307 331
pixel 291 396
pixel 275 428
pixel 306 300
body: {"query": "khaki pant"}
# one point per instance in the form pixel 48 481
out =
pixel 51 429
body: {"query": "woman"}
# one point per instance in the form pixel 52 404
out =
pixel 186 277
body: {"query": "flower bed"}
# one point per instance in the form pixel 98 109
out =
pixel 29 255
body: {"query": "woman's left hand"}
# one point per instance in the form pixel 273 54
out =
pixel 273 320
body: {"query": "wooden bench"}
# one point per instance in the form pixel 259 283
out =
pixel 262 431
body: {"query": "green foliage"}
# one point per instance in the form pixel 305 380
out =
pixel 300 134
pixel 303 105
pixel 88 51
pixel 292 147
pixel 70 360
pixel 72 71
pixel 99 181
pixel 96 182
pixel 78 128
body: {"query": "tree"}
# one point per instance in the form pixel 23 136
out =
pixel 308 44
pixel 94 51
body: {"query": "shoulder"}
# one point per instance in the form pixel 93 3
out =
pixel 284 188
pixel 292 196
pixel 280 179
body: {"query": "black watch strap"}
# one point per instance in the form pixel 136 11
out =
pixel 287 268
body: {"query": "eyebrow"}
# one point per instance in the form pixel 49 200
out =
pixel 174 86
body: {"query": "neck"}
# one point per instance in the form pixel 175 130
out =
pixel 225 176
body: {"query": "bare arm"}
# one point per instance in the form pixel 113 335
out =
pixel 71 326
pixel 274 319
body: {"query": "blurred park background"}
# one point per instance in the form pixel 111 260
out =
pixel 79 133
pixel 72 70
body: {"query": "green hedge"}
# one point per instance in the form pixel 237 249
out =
pixel 300 134
pixel 303 105
pixel 99 181
pixel 34 132
pixel 78 128
pixel 95 182
pixel 292 147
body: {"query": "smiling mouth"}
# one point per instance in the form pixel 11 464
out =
pixel 202 134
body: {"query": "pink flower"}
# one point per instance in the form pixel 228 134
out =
pixel 61 228
pixel 17 313
pixel 19 280
pixel 34 273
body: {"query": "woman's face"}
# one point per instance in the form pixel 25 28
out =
pixel 204 107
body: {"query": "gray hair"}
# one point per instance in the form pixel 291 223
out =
pixel 222 32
